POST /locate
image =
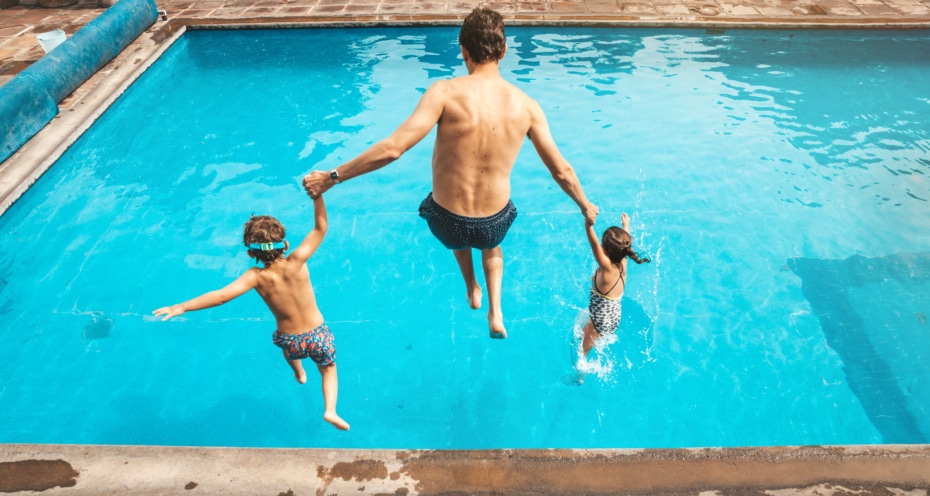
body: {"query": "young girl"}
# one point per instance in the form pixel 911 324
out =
pixel 284 285
pixel 609 280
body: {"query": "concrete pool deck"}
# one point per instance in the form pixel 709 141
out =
pixel 782 471
pixel 100 470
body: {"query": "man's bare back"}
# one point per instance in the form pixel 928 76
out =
pixel 483 124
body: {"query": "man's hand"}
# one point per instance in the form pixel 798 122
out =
pixel 316 183
pixel 590 213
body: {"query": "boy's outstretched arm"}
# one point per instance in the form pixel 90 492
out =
pixel 312 241
pixel 214 298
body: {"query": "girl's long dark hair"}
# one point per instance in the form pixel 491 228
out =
pixel 617 246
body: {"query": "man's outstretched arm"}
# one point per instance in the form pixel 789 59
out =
pixel 561 170
pixel 409 133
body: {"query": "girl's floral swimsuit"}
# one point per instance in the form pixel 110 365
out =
pixel 317 344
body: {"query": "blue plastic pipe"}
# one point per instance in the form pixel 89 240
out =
pixel 29 101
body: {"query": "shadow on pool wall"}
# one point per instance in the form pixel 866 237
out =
pixel 884 361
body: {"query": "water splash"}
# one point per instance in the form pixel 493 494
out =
pixel 599 362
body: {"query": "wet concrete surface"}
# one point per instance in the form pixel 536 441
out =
pixel 779 471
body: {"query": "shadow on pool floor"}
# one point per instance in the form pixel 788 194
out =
pixel 872 311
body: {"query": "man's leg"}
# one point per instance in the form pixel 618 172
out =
pixel 493 262
pixel 463 257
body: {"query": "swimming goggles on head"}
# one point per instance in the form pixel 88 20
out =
pixel 277 245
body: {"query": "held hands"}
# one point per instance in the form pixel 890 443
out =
pixel 168 312
pixel 316 183
pixel 590 213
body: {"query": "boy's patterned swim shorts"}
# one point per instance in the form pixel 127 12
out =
pixel 317 344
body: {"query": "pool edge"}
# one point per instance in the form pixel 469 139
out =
pixel 785 471
pixel 78 111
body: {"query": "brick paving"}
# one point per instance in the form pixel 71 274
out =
pixel 20 23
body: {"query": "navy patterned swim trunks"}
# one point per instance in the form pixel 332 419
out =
pixel 456 232
pixel 317 344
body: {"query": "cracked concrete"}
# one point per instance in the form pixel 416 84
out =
pixel 779 471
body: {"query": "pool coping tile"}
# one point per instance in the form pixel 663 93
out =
pixel 783 471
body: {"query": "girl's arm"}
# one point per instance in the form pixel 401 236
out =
pixel 599 256
pixel 214 298
pixel 625 224
pixel 308 246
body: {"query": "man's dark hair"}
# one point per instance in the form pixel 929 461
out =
pixel 482 35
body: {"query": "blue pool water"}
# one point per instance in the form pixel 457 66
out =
pixel 778 180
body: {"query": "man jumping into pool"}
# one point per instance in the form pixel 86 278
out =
pixel 482 120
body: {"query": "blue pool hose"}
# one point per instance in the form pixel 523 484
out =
pixel 29 101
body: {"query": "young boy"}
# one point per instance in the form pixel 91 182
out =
pixel 284 285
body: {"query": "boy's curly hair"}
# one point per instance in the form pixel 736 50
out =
pixel 482 35
pixel 264 229
pixel 617 245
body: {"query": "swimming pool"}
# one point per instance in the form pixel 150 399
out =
pixel 777 179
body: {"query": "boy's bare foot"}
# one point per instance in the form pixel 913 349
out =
pixel 337 422
pixel 474 297
pixel 496 326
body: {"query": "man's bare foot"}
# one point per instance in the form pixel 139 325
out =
pixel 496 326
pixel 474 297
pixel 337 422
